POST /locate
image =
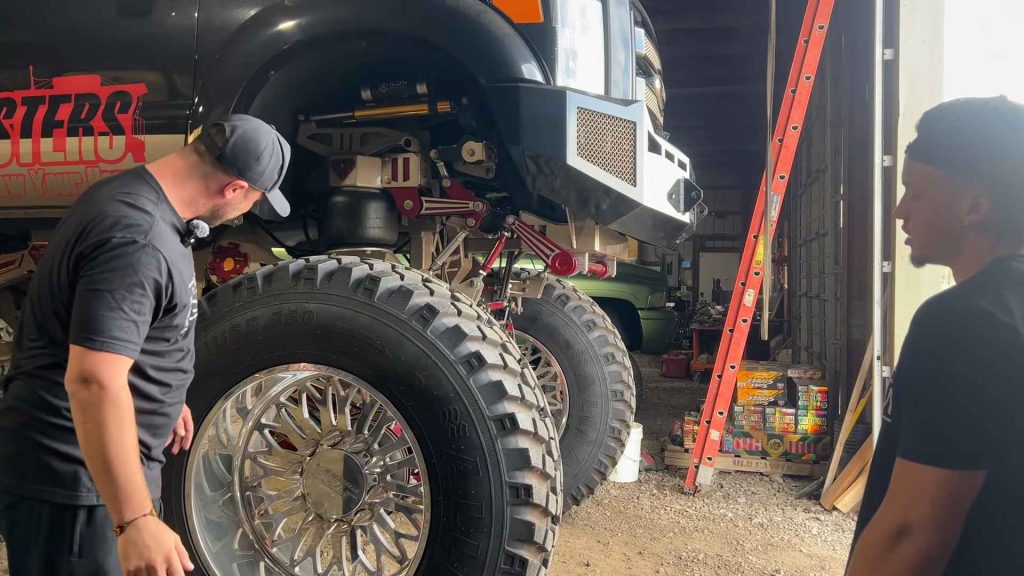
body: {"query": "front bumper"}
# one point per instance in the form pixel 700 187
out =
pixel 600 157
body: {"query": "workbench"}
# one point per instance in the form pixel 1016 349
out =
pixel 711 334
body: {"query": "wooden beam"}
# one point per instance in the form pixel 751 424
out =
pixel 852 412
pixel 676 456
pixel 848 476
pixel 853 496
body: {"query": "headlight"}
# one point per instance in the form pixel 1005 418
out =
pixel 657 299
pixel 581 58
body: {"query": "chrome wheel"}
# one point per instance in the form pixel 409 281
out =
pixel 8 312
pixel 306 470
pixel 549 375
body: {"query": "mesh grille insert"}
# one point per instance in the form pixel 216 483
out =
pixel 654 105
pixel 608 142
pixel 652 55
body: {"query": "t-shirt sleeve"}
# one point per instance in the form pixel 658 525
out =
pixel 120 291
pixel 954 377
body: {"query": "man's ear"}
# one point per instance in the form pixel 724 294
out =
pixel 978 207
pixel 234 188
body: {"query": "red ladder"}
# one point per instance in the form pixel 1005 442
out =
pixel 750 274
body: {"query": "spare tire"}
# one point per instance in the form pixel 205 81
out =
pixel 356 417
pixel 584 370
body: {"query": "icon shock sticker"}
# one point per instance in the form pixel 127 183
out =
pixel 62 135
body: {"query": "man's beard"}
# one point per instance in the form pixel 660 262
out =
pixel 918 262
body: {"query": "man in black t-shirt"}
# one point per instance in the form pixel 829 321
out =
pixel 103 355
pixel 944 493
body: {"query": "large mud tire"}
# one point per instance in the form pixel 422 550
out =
pixel 453 378
pixel 592 357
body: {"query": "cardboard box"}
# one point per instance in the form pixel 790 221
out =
pixel 780 420
pixel 761 397
pixel 796 371
pixel 819 416
pixel 813 447
pixel 748 417
pixel 690 426
pixel 809 396
pixel 748 413
pixel 761 376
pixel 774 383
pixel 773 414
pixel 804 372
pixel 812 421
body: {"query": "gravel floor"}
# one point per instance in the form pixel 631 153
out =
pixel 748 524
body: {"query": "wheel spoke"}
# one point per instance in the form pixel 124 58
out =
pixel 268 508
pixel 382 452
pixel 402 465
pixel 397 505
pixel 340 559
pixel 402 489
pixel 383 531
pixel 377 430
pixel 365 418
pixel 297 417
pixel 549 375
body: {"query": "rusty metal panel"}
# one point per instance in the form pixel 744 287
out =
pixel 815 240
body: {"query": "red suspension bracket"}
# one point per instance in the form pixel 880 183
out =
pixel 463 202
pixel 558 259
pixel 411 205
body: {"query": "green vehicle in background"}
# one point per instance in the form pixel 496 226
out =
pixel 635 299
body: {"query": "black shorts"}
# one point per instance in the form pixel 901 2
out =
pixel 51 539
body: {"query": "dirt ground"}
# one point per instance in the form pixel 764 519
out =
pixel 748 524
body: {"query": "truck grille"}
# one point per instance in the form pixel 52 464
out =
pixel 651 53
pixel 655 105
pixel 608 142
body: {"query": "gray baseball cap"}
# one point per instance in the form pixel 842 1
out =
pixel 255 152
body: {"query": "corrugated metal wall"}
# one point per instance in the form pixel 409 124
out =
pixel 815 232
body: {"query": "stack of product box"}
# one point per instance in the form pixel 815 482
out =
pixel 780 411
pixel 811 408
pixel 780 420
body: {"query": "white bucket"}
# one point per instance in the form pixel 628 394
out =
pixel 628 468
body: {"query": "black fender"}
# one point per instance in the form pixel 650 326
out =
pixel 237 58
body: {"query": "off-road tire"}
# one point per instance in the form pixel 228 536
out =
pixel 599 377
pixel 638 378
pixel 491 452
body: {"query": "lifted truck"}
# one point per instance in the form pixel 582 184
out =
pixel 357 416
